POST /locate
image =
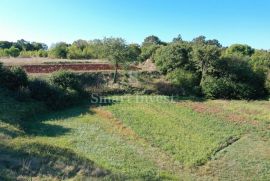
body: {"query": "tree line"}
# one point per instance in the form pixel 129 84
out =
pixel 200 67
pixel 22 48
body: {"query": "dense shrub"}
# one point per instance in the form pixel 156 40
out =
pixel 187 82
pixel 95 79
pixel 3 53
pixel 171 57
pixel 36 53
pixel 267 83
pixel 53 96
pixel 42 53
pixel 66 80
pixel 134 52
pixel 226 88
pixel 75 52
pixel 260 60
pixel 240 50
pixel 59 50
pixel 148 51
pixel 11 52
pixel 241 71
pixel 13 78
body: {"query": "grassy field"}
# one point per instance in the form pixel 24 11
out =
pixel 137 138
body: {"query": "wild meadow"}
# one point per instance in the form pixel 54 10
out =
pixel 109 110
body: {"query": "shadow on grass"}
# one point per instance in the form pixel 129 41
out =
pixel 38 160
pixel 10 133
pixel 37 126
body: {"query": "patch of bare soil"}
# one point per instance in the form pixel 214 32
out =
pixel 217 110
pixel 148 65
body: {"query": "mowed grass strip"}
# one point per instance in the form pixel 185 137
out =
pixel 103 141
pixel 189 137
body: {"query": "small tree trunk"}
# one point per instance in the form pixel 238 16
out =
pixel 204 71
pixel 115 73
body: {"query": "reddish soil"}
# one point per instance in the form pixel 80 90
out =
pixel 219 112
pixel 73 67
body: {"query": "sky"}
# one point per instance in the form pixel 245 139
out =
pixel 50 21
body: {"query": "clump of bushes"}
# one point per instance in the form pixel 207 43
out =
pixel 186 82
pixel 10 52
pixel 205 67
pixel 36 53
pixel 62 90
pixel 226 88
pixel 14 78
pixel 65 80
pixel 54 97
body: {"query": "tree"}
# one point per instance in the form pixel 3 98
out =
pixel 23 45
pixel 134 51
pixel 214 42
pixel 148 51
pixel 95 49
pixel 75 52
pixel 177 39
pixel 116 50
pixel 152 40
pixel 201 40
pixel 239 49
pixel 186 81
pixel 261 60
pixel 82 44
pixel 171 57
pixel 205 57
pixel 5 44
pixel 59 50
pixel 39 46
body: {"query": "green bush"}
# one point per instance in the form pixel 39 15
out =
pixel 54 97
pixel 226 88
pixel 267 83
pixel 75 53
pixel 59 50
pixel 187 82
pixel 3 53
pixel 239 49
pixel 36 53
pixel 42 53
pixel 171 57
pixel 13 78
pixel 66 80
pixel 148 51
pixel 27 54
pixel 11 52
pixel 95 79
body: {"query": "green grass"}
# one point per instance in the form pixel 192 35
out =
pixel 189 137
pixel 247 159
pixel 94 138
pixel 137 138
